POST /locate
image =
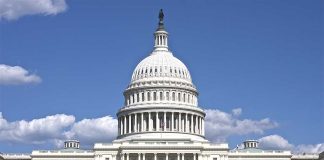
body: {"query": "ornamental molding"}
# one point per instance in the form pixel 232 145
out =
pixel 146 109
pixel 161 87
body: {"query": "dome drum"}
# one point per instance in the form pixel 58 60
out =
pixel 160 95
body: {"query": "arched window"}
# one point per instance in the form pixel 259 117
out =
pixel 192 99
pixel 133 98
pixel 161 96
pixel 167 96
pixel 173 96
pixel 179 97
pixel 148 96
pixel 142 96
pixel 184 97
pixel 154 96
pixel 137 97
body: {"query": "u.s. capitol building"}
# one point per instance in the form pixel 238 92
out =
pixel 160 120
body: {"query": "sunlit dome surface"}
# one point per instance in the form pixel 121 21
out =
pixel 161 65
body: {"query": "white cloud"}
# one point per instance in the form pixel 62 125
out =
pixel 14 75
pixel 89 131
pixel 279 143
pixel 220 125
pixel 36 131
pixel 310 148
pixel 274 142
pixel 13 9
pixel 57 128
pixel 237 111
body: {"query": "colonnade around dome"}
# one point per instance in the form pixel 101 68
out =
pixel 157 121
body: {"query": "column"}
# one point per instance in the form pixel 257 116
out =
pixel 203 126
pixel 140 96
pixel 121 125
pixel 191 123
pixel 194 156
pixel 145 95
pixel 196 126
pixel 199 156
pixel 127 155
pixel 142 122
pixel 154 156
pixel 164 121
pixel 125 125
pixel 145 126
pixel 182 156
pixel 172 121
pixel 149 121
pixel 178 156
pixel 166 156
pixel 143 156
pixel 129 124
pixel 183 123
pixel 139 156
pixel 200 123
pixel 180 122
pixel 157 127
pixel 135 123
pixel 186 121
pixel 122 156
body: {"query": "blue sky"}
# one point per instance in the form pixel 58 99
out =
pixel 263 57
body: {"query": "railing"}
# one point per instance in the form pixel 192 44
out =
pixel 259 151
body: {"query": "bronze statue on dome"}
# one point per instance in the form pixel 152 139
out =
pixel 161 15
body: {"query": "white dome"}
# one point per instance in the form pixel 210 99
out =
pixel 161 65
pixel 161 98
